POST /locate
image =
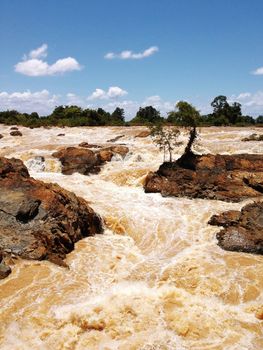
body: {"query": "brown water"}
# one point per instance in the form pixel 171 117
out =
pixel 155 280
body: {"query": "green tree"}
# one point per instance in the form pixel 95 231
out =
pixel 187 116
pixel 117 116
pixel 146 115
pixel 166 138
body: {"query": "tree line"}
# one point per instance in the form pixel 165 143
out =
pixel 224 114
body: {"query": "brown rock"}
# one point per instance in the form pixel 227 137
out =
pixel 16 133
pixel 119 149
pixel 243 231
pixel 4 270
pixel 73 159
pixel 222 177
pixel 105 156
pixel 1 136
pixel 60 134
pixel 253 137
pixel 39 220
pixel 144 133
pixel 115 138
pixel 88 145
pixel 14 128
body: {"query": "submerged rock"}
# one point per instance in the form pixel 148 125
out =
pixel 253 137
pixel 16 133
pixel 144 133
pixel 243 231
pixel 221 177
pixel 39 220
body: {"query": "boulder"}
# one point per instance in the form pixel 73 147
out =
pixel 242 231
pixel 4 270
pixel 16 133
pixel 1 136
pixel 144 133
pixel 118 149
pixel 14 128
pixel 221 177
pixel 105 156
pixel 115 138
pixel 73 159
pixel 60 134
pixel 88 145
pixel 40 220
pixel 253 137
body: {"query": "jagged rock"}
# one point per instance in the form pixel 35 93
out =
pixel 39 220
pixel 73 159
pixel 16 133
pixel 86 161
pixel 243 231
pixel 4 270
pixel 115 138
pixel 105 156
pixel 253 137
pixel 144 133
pixel 222 177
pixel 88 145
pixel 119 149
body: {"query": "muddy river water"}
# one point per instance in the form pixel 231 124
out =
pixel 155 279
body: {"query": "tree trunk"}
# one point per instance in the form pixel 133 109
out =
pixel 185 160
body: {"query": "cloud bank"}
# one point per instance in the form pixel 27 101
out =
pixel 33 65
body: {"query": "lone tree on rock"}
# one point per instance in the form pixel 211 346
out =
pixel 166 138
pixel 187 116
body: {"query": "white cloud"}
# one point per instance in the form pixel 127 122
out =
pixel 41 101
pixel 252 103
pixel 34 66
pixel 113 92
pixel 39 52
pixel 258 71
pixel 128 54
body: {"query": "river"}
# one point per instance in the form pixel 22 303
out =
pixel 155 280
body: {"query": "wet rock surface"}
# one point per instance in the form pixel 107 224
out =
pixel 253 137
pixel 16 133
pixel 86 161
pixel 74 159
pixel 242 231
pixel 222 177
pixel 38 220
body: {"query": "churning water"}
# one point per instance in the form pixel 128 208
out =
pixel 156 279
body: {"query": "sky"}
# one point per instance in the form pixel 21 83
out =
pixel 110 53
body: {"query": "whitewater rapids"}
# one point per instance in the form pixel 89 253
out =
pixel 155 280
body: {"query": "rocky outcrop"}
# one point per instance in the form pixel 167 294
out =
pixel 118 149
pixel 116 138
pixel 4 269
pixel 253 137
pixel 222 177
pixel 88 145
pixel 73 159
pixel 39 220
pixel 144 133
pixel 16 133
pixel 86 161
pixel 243 231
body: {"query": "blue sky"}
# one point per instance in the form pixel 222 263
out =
pixel 130 53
